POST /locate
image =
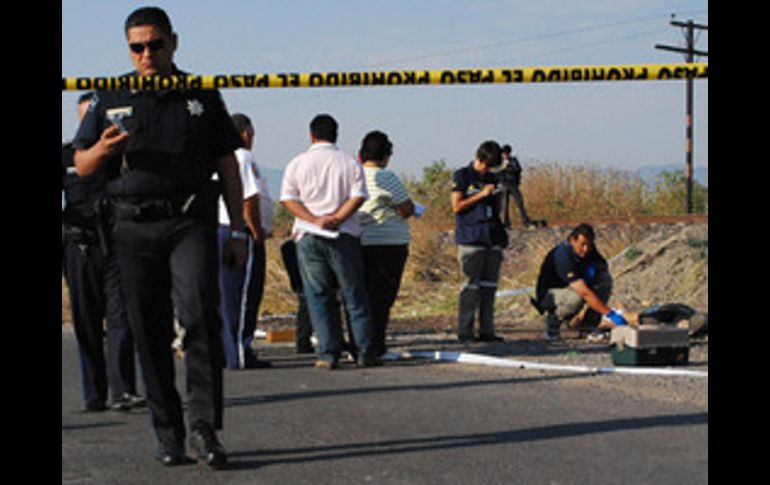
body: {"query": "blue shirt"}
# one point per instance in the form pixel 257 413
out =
pixel 563 266
pixel 480 224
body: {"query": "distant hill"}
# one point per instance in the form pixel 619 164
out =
pixel 650 173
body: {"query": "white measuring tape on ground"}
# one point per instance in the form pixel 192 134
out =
pixel 478 359
pixel 517 291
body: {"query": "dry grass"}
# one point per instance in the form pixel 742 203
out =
pixel 66 313
pixel 431 278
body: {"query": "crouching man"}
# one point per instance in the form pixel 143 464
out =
pixel 572 275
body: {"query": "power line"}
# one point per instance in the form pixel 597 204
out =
pixel 520 40
pixel 690 52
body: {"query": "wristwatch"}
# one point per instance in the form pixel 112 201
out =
pixel 236 234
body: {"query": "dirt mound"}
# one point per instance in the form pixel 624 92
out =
pixel 669 265
pixel 653 263
pixel 650 263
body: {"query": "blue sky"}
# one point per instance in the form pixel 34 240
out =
pixel 620 125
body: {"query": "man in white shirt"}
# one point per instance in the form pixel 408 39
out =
pixel 241 289
pixel 323 188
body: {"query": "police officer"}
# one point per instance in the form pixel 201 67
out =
pixel 480 238
pixel 93 279
pixel 158 151
pixel 575 274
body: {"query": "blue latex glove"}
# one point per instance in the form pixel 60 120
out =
pixel 616 318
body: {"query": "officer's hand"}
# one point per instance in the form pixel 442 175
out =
pixel 113 140
pixel 488 190
pixel 615 317
pixel 235 253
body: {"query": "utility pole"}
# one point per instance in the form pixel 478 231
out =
pixel 690 52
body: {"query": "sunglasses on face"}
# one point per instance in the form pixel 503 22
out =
pixel 153 45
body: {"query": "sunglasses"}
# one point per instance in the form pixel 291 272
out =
pixel 153 45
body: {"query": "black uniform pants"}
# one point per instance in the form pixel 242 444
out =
pixel 166 264
pixel 95 296
pixel 514 192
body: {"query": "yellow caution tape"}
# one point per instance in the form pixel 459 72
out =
pixel 515 75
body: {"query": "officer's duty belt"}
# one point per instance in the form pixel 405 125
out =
pixel 80 235
pixel 149 209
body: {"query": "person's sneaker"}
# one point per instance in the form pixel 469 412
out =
pixel 127 402
pixel 172 455
pixel 325 364
pixel 207 448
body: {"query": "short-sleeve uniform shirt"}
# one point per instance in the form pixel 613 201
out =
pixel 562 266
pixel 480 224
pixel 177 136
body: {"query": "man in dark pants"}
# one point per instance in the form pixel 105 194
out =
pixel 510 180
pixel 93 279
pixel 159 150
pixel 303 327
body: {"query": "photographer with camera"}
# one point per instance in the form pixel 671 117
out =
pixel 510 179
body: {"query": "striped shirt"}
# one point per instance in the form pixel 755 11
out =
pixel 380 224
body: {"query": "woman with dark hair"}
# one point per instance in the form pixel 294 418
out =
pixel 384 231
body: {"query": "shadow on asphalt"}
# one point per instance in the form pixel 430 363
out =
pixel 259 458
pixel 354 391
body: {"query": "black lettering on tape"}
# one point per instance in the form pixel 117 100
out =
pixel 220 82
pixel 394 78
pixel 165 83
pixel 147 83
pixel 447 77
pixel 82 83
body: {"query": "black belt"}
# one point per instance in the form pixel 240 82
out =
pixel 80 235
pixel 146 209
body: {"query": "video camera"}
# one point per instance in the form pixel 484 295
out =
pixel 509 174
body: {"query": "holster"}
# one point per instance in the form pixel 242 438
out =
pixel 103 218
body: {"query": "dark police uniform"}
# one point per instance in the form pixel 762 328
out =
pixel 93 279
pixel 165 239
pixel 480 237
pixel 561 267
pixel 479 225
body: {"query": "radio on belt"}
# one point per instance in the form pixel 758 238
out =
pixel 649 345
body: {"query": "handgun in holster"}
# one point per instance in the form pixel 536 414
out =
pixel 102 216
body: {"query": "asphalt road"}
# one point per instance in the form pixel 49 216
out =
pixel 404 423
